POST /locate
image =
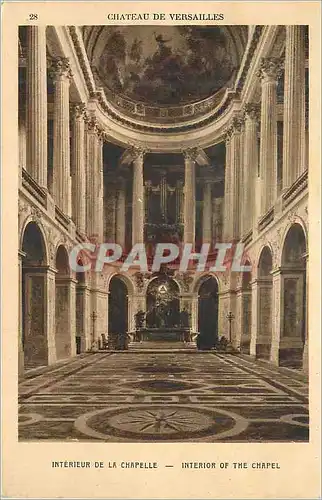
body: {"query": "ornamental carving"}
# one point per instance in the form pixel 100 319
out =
pixel 93 126
pixel 78 110
pixel 140 280
pixel 237 124
pixel 228 134
pixel 252 111
pixel 60 68
pixel 270 69
pixel 36 213
pixel 191 154
pixel 185 281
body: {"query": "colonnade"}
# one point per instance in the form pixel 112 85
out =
pixel 252 163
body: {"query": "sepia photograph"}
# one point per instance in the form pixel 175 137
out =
pixel 161 250
pixel 163 234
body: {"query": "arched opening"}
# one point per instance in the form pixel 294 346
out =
pixel 33 295
pixel 163 304
pixel 65 344
pixel 246 312
pixel 118 313
pixel 264 306
pixel 294 298
pixel 208 313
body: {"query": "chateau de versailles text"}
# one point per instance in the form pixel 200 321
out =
pixel 160 16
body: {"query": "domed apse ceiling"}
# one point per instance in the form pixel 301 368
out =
pixel 166 66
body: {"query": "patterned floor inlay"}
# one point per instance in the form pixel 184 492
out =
pixel 139 397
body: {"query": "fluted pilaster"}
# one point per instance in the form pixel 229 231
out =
pixel 37 104
pixel 138 198
pixel 207 213
pixel 189 204
pixel 120 214
pixel 78 168
pixel 250 165
pixel 61 77
pixel 269 73
pixel 294 105
pixel 235 162
pixel 227 197
pixel 100 187
pixel 92 178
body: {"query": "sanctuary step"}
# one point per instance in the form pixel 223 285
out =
pixel 160 345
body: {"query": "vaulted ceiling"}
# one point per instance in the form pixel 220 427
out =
pixel 164 65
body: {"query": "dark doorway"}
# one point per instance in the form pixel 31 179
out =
pixel 208 313
pixel 118 313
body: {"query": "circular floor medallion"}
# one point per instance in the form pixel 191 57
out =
pixel 159 423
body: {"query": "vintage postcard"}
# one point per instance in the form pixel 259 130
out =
pixel 161 255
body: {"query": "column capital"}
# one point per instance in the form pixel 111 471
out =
pixel 270 69
pixel 237 124
pixel 93 125
pixel 191 154
pixel 60 68
pixel 78 110
pixel 138 152
pixel 252 112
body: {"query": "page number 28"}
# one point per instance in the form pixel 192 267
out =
pixel 33 17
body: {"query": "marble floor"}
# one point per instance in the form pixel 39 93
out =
pixel 151 396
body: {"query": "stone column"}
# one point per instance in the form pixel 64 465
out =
pixel 269 72
pixel 93 178
pixel 22 145
pixel 294 105
pixel 189 208
pixel 250 165
pixel 37 104
pixel 207 213
pixel 138 198
pixel 78 168
pixel 109 210
pixel 179 202
pixel 100 188
pixel 227 198
pixel 120 214
pixel 235 163
pixel 61 77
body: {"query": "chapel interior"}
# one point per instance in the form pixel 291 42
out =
pixel 155 134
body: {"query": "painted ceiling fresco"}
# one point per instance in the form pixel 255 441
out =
pixel 168 65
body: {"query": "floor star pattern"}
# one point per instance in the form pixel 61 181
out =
pixel 153 397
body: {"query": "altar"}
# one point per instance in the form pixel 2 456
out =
pixel 178 334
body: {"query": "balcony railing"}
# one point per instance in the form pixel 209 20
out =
pixel 33 188
pixel 293 191
pixel 266 219
pixel 62 218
